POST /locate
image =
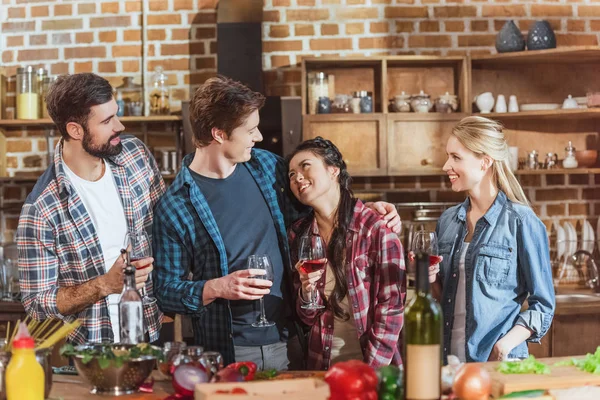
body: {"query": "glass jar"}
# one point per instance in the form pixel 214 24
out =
pixel 570 161
pixel 421 103
pixel 355 103
pixel 341 104
pixel 41 74
pixel 366 102
pixel 172 353
pixel 131 93
pixel 318 86
pixel 46 84
pixel 159 95
pixel 28 98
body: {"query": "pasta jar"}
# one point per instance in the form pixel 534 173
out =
pixel 318 86
pixel 28 99
pixel 159 96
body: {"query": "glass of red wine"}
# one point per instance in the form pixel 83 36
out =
pixel 426 242
pixel 264 263
pixel 313 253
pixel 139 246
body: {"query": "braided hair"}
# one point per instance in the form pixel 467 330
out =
pixel 336 248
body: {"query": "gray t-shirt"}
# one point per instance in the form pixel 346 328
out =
pixel 246 226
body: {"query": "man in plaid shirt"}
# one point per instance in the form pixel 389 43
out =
pixel 74 223
pixel 229 201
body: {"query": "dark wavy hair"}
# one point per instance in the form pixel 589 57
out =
pixel 336 249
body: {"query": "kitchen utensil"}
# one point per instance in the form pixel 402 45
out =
pixel 43 358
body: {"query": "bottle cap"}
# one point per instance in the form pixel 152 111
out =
pixel 23 339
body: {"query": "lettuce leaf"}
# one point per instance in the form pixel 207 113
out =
pixel 527 366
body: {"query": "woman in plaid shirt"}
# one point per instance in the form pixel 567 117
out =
pixel 363 286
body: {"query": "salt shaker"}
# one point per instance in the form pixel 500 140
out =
pixel 570 161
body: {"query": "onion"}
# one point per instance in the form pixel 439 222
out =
pixel 228 375
pixel 472 382
pixel 185 377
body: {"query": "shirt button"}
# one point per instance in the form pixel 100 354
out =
pixel 326 347
pixel 444 349
pixel 447 323
pixel 329 326
pixel 355 305
pixel 454 275
pixel 449 300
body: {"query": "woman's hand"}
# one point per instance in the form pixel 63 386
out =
pixel 434 269
pixel 517 335
pixel 500 351
pixel 308 281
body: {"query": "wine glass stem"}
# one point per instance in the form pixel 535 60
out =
pixel 263 318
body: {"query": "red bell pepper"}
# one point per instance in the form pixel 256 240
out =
pixel 352 380
pixel 246 368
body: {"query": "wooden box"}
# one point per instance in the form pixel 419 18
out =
pixel 288 389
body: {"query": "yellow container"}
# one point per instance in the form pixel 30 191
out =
pixel 24 375
pixel 28 98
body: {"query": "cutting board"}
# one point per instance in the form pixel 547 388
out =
pixel 559 378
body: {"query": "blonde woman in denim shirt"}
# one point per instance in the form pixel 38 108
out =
pixel 495 252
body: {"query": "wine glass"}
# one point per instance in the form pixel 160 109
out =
pixel 314 254
pixel 426 242
pixel 264 263
pixel 139 246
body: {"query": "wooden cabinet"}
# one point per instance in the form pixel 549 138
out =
pixel 416 142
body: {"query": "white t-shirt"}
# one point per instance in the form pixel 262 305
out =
pixel 103 203
pixel 457 346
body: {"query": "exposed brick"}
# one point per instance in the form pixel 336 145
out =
pixel 12 162
pixel 547 10
pixel 576 25
pixel 131 35
pixel 199 78
pixel 591 193
pixel 85 52
pixel 576 40
pixel 272 16
pixel 62 24
pixel 454 26
pixel 355 2
pixel 133 6
pixel 110 22
pixel 476 40
pixel 455 11
pixel 280 61
pixel 61 38
pixel 179 34
pixel 555 194
pixel 40 11
pixel 281 3
pixel 578 179
pixel 429 41
pixel 330 29
pixel 12 193
pixel 164 19
pixel 205 63
pixel 175 49
pixel 15 41
pixel 381 42
pixel 207 4
pixel 158 5
pixel 433 182
pixel 86 8
pixel 38 54
pixel 361 13
pixel 282 45
pixel 279 31
pixel 206 33
pixel 579 209
pixel 160 34
pixel 107 67
pixel 170 64
pixel 63 9
pixel 307 29
pixel 408 197
pixel 331 44
pixel 16 12
pixel 406 12
pixel 85 66
pixel 60 68
pixel 530 180
pixel 307 15
pixel 108 36
pixel 515 10
pixel 552 180
pixel 405 182
pixel 554 210
pixel 38 40
pixel 130 65
pixel 328 2
pixel 525 24
pixel 183 5
pixel 305 3
pixel 379 27
pixel 84 37
pixel 405 26
pixel 18 146
pixel 479 26
pixel 9 27
pixel 429 26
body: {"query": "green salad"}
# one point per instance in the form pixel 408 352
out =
pixel 527 366
pixel 109 354
pixel 591 362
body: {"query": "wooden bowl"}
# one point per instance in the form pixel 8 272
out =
pixel 586 158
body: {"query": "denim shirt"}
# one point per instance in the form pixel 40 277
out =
pixel 507 262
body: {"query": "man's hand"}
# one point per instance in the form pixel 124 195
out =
pixel 308 281
pixel 112 281
pixel 389 212
pixel 143 268
pixel 237 286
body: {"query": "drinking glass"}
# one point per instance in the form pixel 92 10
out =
pixel 426 242
pixel 139 246
pixel 264 263
pixel 314 254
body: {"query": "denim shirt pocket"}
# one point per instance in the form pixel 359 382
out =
pixel 493 264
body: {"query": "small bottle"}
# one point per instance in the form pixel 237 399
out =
pixel 570 161
pixel 131 315
pixel 120 104
pixel 423 329
pixel 24 375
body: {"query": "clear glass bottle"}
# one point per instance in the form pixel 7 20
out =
pixel 570 161
pixel 318 86
pixel 46 84
pixel 159 95
pixel 131 316
pixel 28 102
pixel 41 75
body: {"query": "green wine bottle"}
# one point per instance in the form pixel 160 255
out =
pixel 423 336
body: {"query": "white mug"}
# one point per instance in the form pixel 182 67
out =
pixel 500 104
pixel 513 106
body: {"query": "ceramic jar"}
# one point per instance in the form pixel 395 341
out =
pixel 446 103
pixel 402 102
pixel 421 103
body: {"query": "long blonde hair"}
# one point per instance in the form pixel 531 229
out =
pixel 484 136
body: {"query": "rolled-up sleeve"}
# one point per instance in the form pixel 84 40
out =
pixel 38 265
pixel 172 265
pixel 534 262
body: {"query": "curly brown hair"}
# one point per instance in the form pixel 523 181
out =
pixel 221 103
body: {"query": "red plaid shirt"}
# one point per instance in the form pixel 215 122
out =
pixel 58 244
pixel 376 289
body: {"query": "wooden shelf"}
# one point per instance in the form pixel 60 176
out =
pixel 48 122
pixel 342 117
pixel 430 116
pixel 561 55
pixel 578 114
pixel 17 179
pixel 557 171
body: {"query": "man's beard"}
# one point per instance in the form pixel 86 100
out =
pixel 102 151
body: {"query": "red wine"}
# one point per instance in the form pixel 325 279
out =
pixel 132 260
pixel 434 260
pixel 309 266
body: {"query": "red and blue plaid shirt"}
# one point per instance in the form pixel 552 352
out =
pixel 58 244
pixel 376 289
